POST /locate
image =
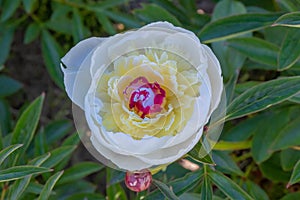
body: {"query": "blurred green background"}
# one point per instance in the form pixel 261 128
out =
pixel 258 45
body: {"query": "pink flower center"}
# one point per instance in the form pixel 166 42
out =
pixel 138 181
pixel 146 99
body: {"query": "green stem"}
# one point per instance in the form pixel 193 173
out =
pixel 225 145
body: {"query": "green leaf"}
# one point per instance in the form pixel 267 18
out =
pixel 87 196
pixel 290 5
pixel 7 151
pixel 105 4
pixel 196 154
pixel 77 26
pixel 32 32
pixel 79 171
pixel 28 5
pixel 5 120
pixel 49 186
pixel 288 158
pixel 263 96
pixel 291 196
pixel 107 25
pixel 233 26
pixel 128 20
pixel 18 188
pixel 18 172
pixel 66 190
pixel 180 185
pixel 230 86
pixel 290 49
pixel 57 155
pixel 243 130
pixel 52 53
pixel 206 188
pixel 167 192
pixel 227 8
pixel 7 35
pixel 151 13
pixel 255 191
pixel 225 163
pixel 295 178
pixel 57 130
pixel 73 139
pixel 267 134
pixel 287 136
pixel 37 161
pixel 289 19
pixel 272 170
pixel 8 9
pixel 9 86
pixel 256 49
pixel 227 186
pixel 115 191
pixel 27 123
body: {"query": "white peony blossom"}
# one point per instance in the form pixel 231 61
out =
pixel 146 94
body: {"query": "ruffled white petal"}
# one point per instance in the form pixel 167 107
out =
pixel 77 78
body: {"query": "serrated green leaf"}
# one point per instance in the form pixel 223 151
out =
pixel 7 151
pixel 256 49
pixel 18 172
pixel 227 186
pixel 9 9
pixel 196 152
pixel 79 171
pixel 45 193
pixel 263 96
pixel 225 162
pixel 28 5
pixel 9 86
pixel 290 49
pixel 7 35
pixel 57 155
pixel 289 19
pixel 32 32
pixel 288 158
pixel 151 13
pixel 27 123
pixel 167 192
pixel 52 53
pixel 180 185
pixel 233 26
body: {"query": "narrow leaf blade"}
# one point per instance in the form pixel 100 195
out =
pixel 49 186
pixel 18 172
pixel 7 151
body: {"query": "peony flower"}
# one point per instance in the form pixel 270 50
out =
pixel 146 94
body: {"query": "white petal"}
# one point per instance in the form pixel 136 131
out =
pixel 75 57
pixel 165 26
pixel 125 162
pixel 77 78
pixel 216 79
